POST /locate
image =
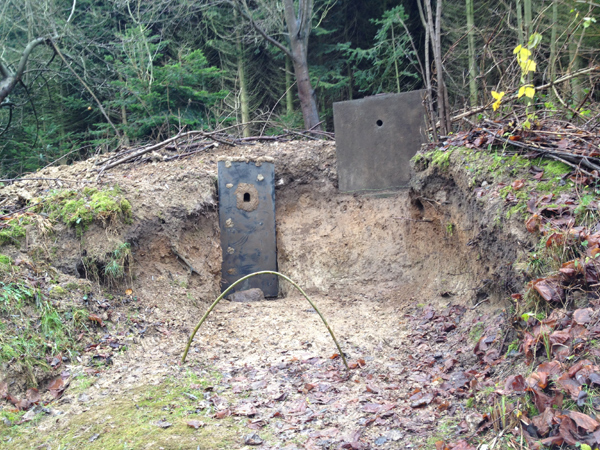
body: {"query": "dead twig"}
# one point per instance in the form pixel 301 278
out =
pixel 413 220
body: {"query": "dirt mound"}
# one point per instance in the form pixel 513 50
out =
pixel 373 261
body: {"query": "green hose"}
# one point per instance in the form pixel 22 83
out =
pixel 220 297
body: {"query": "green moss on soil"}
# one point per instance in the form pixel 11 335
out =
pixel 33 329
pixel 79 210
pixel 13 231
pixel 5 263
pixel 129 421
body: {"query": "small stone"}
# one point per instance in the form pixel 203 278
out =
pixel 260 177
pixel 380 440
pixel 473 420
pixel 253 439
pixel 29 415
pixel 83 398
pixel 229 185
pixel 94 437
pixel 250 295
pixel 395 435
pixel 164 424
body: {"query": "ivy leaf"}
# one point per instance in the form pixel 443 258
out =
pixel 587 21
pixel 534 40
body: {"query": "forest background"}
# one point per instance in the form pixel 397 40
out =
pixel 79 77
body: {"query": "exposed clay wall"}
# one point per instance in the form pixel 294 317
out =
pixel 432 241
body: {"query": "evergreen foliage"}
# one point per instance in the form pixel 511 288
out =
pixel 135 71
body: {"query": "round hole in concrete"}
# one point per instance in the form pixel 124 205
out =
pixel 246 197
pixel 379 123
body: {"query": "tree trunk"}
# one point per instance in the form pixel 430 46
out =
pixel 471 42
pixel 244 98
pixel 299 27
pixel 553 37
pixel 574 66
pixel 289 98
pixel 436 41
pixel 527 19
pixel 308 104
pixel 520 22
pixel 432 115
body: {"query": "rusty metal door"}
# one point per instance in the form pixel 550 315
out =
pixel 247 221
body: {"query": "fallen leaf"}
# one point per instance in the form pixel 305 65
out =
pixel 533 223
pixel 253 439
pixel 33 395
pixel 222 414
pixel 56 387
pixel 128 292
pixel 97 319
pixel 515 383
pixel 582 316
pixel 583 421
pixel 162 423
pixel 372 389
pixel 549 288
pixel 195 424
pixel 246 409
pixel 544 422
pixel 517 184
pixel 371 407
pixel 423 400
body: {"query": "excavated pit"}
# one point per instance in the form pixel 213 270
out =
pixel 403 278
pixel 408 280
pixel 432 241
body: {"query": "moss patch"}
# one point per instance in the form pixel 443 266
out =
pixel 13 230
pixel 5 263
pixel 33 329
pixel 130 422
pixel 79 210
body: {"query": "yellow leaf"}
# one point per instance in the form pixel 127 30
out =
pixel 498 96
pixel 524 54
pixel 528 66
pixel 517 49
pixel 529 91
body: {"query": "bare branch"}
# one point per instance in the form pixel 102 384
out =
pixel 246 13
pixel 9 80
pixel 72 11
pixel 56 49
